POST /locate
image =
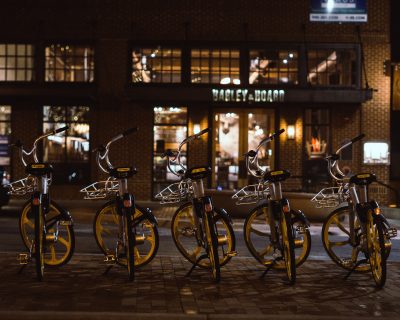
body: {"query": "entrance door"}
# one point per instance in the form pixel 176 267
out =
pixel 236 132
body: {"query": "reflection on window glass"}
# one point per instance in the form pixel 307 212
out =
pixel 273 67
pixel 5 132
pixel 69 149
pixel 332 67
pixel 66 63
pixel 16 62
pixel 215 66
pixel 169 130
pixel 156 65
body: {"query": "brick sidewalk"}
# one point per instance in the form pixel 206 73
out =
pixel 161 288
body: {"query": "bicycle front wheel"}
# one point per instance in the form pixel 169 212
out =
pixel 376 248
pixel 212 246
pixel 287 244
pixel 39 242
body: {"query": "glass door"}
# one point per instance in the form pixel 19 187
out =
pixel 236 132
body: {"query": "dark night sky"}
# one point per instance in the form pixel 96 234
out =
pixel 395 30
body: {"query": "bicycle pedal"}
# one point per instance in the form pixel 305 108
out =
pixel 391 233
pixel 348 263
pixel 65 222
pixel 110 259
pixel 301 229
pixel 23 258
pixel 231 254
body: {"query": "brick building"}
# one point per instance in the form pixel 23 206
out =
pixel 244 68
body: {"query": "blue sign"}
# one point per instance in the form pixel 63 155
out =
pixel 338 11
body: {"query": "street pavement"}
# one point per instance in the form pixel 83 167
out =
pixel 81 290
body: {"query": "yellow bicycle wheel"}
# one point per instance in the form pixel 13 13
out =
pixel 106 231
pixel 336 240
pixel 60 238
pixel 185 235
pixel 257 236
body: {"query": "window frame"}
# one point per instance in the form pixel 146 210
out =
pixel 34 62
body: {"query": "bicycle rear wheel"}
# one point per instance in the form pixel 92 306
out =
pixel 288 247
pixel 212 246
pixel 39 242
pixel 376 249
pixel 129 244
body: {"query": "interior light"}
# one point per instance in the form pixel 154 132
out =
pixel 250 115
pixel 285 61
pixel 196 128
pixel 290 55
pixel 226 80
pixel 329 5
pixel 236 81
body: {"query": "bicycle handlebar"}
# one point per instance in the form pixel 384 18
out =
pixel 102 151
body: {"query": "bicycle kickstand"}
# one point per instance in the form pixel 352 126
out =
pixel 270 266
pixel 107 270
pixel 355 267
pixel 203 256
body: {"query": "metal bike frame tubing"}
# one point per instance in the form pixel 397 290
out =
pixel 276 195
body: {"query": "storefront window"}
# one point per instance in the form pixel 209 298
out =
pixel 5 132
pixel 215 66
pixel 170 128
pixel 16 62
pixel 332 67
pixel 66 63
pixel 273 67
pixel 68 151
pixel 156 65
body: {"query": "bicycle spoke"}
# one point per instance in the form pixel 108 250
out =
pixel 338 243
pixel 259 232
pixel 63 242
pixel 29 223
pixel 340 226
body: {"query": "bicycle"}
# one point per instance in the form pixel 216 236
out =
pixel 126 233
pixel 202 233
pixel 357 225
pixel 45 227
pixel 276 236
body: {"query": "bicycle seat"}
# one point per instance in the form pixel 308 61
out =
pixel 198 173
pixel 122 172
pixel 276 176
pixel 39 169
pixel 363 179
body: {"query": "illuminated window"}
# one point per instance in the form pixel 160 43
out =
pixel 16 62
pixel 5 132
pixel 156 65
pixel 69 151
pixel 332 67
pixel 273 67
pixel 170 128
pixel 376 153
pixel 66 63
pixel 316 126
pixel 215 66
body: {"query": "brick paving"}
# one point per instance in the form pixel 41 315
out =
pixel 161 288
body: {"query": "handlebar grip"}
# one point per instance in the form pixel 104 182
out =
pixel 129 131
pixel 358 138
pixel 276 134
pixel 203 132
pixel 61 129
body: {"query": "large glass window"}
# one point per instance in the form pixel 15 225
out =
pixel 5 132
pixel 273 67
pixel 170 128
pixel 215 66
pixel 69 151
pixel 68 63
pixel 332 67
pixel 156 65
pixel 16 62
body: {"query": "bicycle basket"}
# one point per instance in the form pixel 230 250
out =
pixel 251 194
pixel 175 192
pixel 329 197
pixel 21 187
pixel 100 189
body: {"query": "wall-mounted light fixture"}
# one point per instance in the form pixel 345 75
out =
pixel 196 128
pixel 291 132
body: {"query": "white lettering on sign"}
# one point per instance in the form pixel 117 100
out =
pixel 245 95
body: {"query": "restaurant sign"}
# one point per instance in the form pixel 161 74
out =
pixel 247 95
pixel 339 11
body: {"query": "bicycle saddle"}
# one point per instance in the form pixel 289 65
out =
pixel 363 179
pixel 276 175
pixel 39 169
pixel 198 173
pixel 122 172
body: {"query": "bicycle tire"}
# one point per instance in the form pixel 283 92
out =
pixel 39 241
pixel 66 239
pixel 212 245
pixel 129 245
pixel 288 247
pixel 376 249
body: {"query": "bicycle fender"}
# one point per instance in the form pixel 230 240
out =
pixel 147 214
pixel 224 214
pixel 300 216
